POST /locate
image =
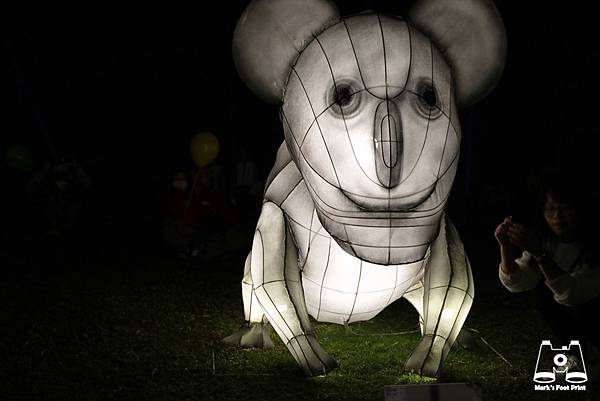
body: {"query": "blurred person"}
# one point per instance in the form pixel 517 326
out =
pixel 61 188
pixel 194 214
pixel 558 262
pixel 213 215
pixel 247 191
pixel 177 223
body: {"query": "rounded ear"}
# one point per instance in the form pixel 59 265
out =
pixel 269 36
pixel 471 35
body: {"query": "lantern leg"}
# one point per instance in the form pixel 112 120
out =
pixel 447 298
pixel 256 330
pixel 276 283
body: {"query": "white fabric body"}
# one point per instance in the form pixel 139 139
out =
pixel 354 208
pixel 338 286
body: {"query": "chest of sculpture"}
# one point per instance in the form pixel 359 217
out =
pixel 340 287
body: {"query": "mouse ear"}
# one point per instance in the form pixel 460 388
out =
pixel 471 35
pixel 269 36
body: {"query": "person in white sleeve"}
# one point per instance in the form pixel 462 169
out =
pixel 558 263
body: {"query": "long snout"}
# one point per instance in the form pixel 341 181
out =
pixel 387 144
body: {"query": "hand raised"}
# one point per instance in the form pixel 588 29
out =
pixel 501 233
pixel 524 238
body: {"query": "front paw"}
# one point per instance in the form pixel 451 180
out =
pixel 311 357
pixel 251 335
pixel 426 358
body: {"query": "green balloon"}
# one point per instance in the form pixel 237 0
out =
pixel 19 158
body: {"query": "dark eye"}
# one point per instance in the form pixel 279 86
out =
pixel 429 96
pixel 343 95
pixel 427 100
pixel 344 99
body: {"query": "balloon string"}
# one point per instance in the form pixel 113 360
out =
pixel 398 333
pixel 489 345
pixel 187 204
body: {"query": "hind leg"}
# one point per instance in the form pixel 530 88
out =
pixel 256 331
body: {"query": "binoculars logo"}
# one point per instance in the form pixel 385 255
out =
pixel 566 360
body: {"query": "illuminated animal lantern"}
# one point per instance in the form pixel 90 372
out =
pixel 353 214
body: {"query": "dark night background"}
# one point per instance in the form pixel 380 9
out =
pixel 125 85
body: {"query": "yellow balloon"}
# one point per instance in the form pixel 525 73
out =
pixel 204 148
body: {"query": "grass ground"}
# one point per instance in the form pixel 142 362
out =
pixel 113 316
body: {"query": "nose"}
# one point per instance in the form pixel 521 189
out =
pixel 387 143
pixel 553 213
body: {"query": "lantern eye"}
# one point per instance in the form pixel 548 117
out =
pixel 344 99
pixel 343 96
pixel 427 100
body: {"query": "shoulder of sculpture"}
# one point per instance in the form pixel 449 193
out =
pixel 285 181
pixel 282 161
pixel 289 192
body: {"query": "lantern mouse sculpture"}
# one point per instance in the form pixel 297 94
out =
pixel 353 214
